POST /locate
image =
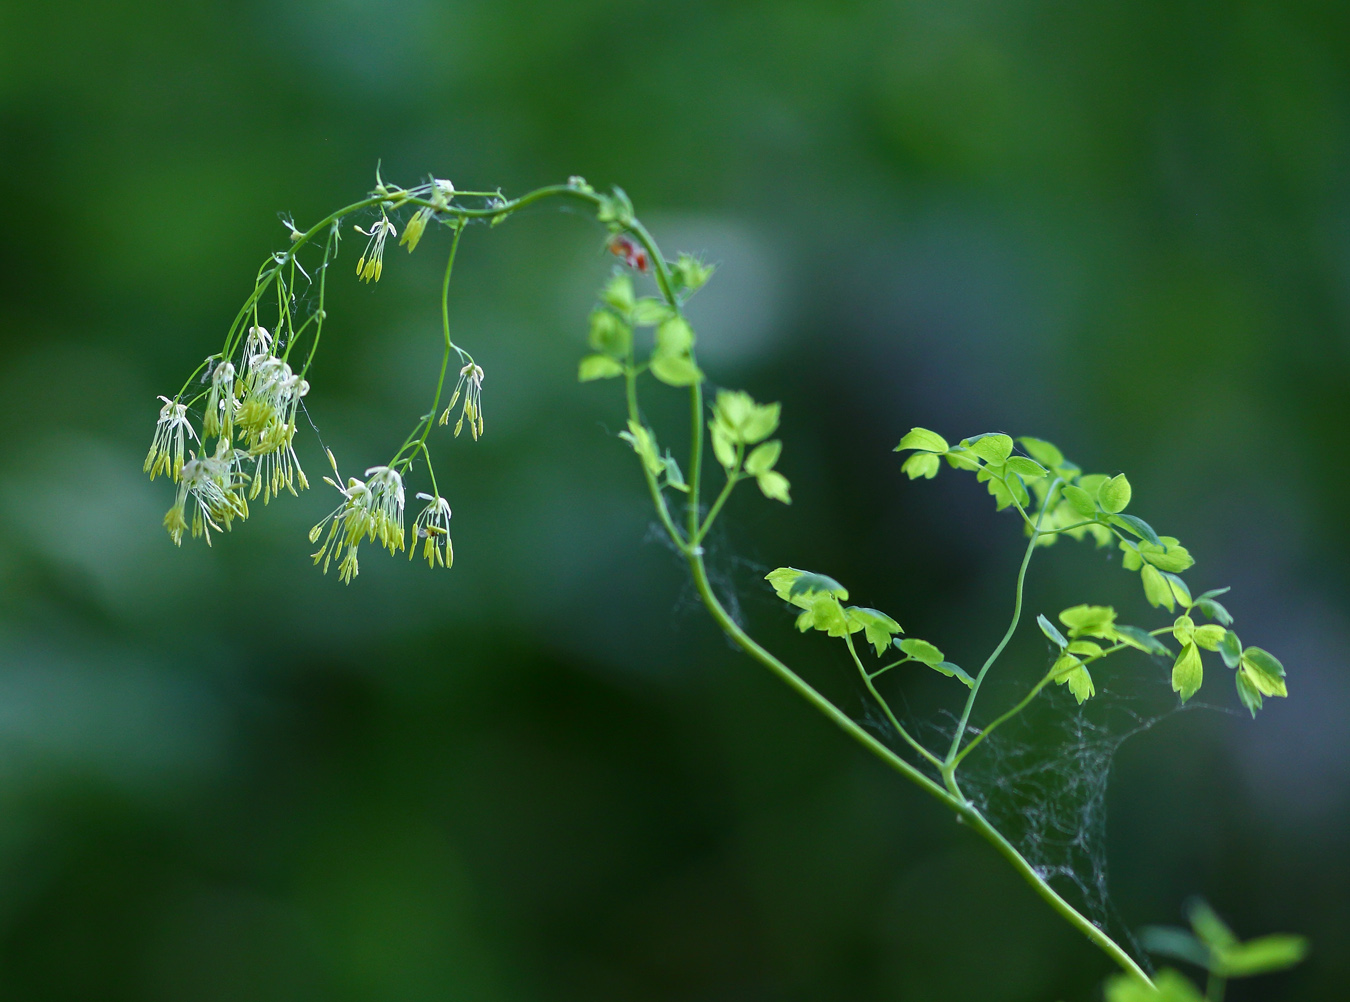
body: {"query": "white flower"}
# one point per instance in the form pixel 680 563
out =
pixel 369 268
pixel 169 445
pixel 346 523
pixel 372 509
pixel 386 494
pixel 471 385
pixel 214 485
pixel 432 526
pixel 265 418
pixel 219 417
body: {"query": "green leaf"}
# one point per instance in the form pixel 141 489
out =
pixel 1263 955
pixel 922 464
pixel 1210 636
pixel 1214 610
pixel 1168 556
pixel 1248 694
pixel 809 583
pixel 1187 672
pixel 876 626
pixel 744 420
pixel 1090 621
pixel 953 671
pixel 1089 648
pixel 1231 649
pixel 618 293
pixel 598 367
pixel 1137 526
pixel 674 477
pixel 644 444
pixel 993 449
pixel 649 312
pixel 1180 589
pixel 921 650
pixel 825 614
pixel 1264 671
pixel 1080 500
pixel 676 370
pixel 1138 637
pixel 782 578
pixel 962 459
pixel 1042 451
pixel 1215 592
pixel 1024 467
pixel 1114 495
pixel 609 334
pixel 1080 684
pixel 774 486
pixel 1049 629
pixel 723 448
pixel 1170 987
pixel 1179 944
pixel 1156 589
pixel 674 337
pixel 922 438
pixel 1212 930
pixel 1184 629
pixel 763 457
pixel 690 273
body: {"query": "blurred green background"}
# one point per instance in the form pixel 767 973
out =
pixel 544 775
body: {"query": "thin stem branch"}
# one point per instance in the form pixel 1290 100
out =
pixel 1012 628
pixel 886 707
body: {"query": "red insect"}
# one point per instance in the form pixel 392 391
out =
pixel 632 254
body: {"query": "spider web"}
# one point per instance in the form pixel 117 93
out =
pixel 1042 778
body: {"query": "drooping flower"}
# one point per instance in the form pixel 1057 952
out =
pixel 219 417
pixel 169 445
pixel 470 383
pixel 386 501
pixel 371 264
pixel 214 487
pixel 441 193
pixel 347 524
pixel 371 508
pixel 265 418
pixel 432 527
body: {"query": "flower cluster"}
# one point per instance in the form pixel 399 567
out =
pixel 370 509
pixel 470 384
pixel 371 264
pixel 432 527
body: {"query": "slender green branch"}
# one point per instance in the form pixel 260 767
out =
pixel 1012 628
pixel 886 707
pixel 1035 691
pixel 963 808
pixel 732 480
pixel 885 668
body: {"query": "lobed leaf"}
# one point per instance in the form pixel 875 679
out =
pixel 598 367
pixel 953 671
pixel 877 627
pixel 922 438
pixel 1049 629
pixel 994 449
pixel 1042 451
pixel 1138 637
pixel 1114 495
pixel 921 464
pixel 921 650
pixel 1187 672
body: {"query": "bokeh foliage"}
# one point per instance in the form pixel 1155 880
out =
pixel 543 775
